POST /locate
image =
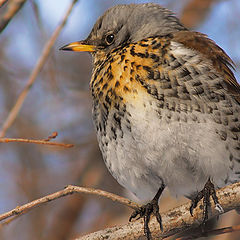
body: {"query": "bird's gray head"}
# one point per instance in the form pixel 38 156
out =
pixel 129 23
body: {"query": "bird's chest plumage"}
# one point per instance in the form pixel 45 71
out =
pixel 149 125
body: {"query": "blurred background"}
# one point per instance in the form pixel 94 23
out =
pixel 60 101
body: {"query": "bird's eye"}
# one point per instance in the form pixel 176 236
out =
pixel 109 39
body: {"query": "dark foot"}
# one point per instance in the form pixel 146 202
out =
pixel 145 211
pixel 207 192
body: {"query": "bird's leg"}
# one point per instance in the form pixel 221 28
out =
pixel 145 211
pixel 207 192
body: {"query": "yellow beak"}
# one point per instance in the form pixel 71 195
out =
pixel 79 47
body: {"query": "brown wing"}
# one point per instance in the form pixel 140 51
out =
pixel 221 61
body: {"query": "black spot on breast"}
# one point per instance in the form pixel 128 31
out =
pixel 150 72
pixel 100 94
pixel 116 105
pixel 117 84
pixel 117 120
pixel 122 58
pixel 235 128
pixel 105 86
pixel 132 51
pixel 184 72
pixel 126 89
pixel 141 55
pixel 110 76
pixel 109 68
pixel 154 42
pixel 143 44
pixel 107 99
pixel 114 133
pixel 101 80
pixel 154 57
pixel 138 67
pixel 158 45
pixel 223 135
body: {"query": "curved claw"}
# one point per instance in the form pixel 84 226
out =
pixel 140 211
pixel 145 211
pixel 207 192
pixel 158 216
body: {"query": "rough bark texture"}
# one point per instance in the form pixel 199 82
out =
pixel 174 221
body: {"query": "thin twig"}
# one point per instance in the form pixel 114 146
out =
pixel 52 136
pixel 2 2
pixel 212 233
pixel 45 142
pixel 67 191
pixel 12 8
pixel 9 220
pixel 45 53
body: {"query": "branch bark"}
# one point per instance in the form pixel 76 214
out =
pixel 212 233
pixel 174 221
pixel 67 191
pixel 35 141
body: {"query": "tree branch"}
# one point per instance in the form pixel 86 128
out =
pixel 212 233
pixel 45 53
pixel 2 2
pixel 174 221
pixel 67 191
pixel 12 8
pixel 43 141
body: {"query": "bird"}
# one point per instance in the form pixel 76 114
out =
pixel 166 107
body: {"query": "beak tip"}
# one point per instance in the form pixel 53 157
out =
pixel 64 48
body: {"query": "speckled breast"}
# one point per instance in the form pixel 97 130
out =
pixel 158 82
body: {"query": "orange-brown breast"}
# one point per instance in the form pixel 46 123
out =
pixel 126 73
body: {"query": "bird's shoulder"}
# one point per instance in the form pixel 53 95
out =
pixel 211 51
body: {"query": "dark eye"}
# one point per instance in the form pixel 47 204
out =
pixel 109 39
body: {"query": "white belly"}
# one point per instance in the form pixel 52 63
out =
pixel 181 153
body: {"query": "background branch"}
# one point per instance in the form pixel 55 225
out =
pixel 2 2
pixel 12 8
pixel 67 191
pixel 45 53
pixel 44 142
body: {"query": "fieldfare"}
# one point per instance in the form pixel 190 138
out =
pixel 166 106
